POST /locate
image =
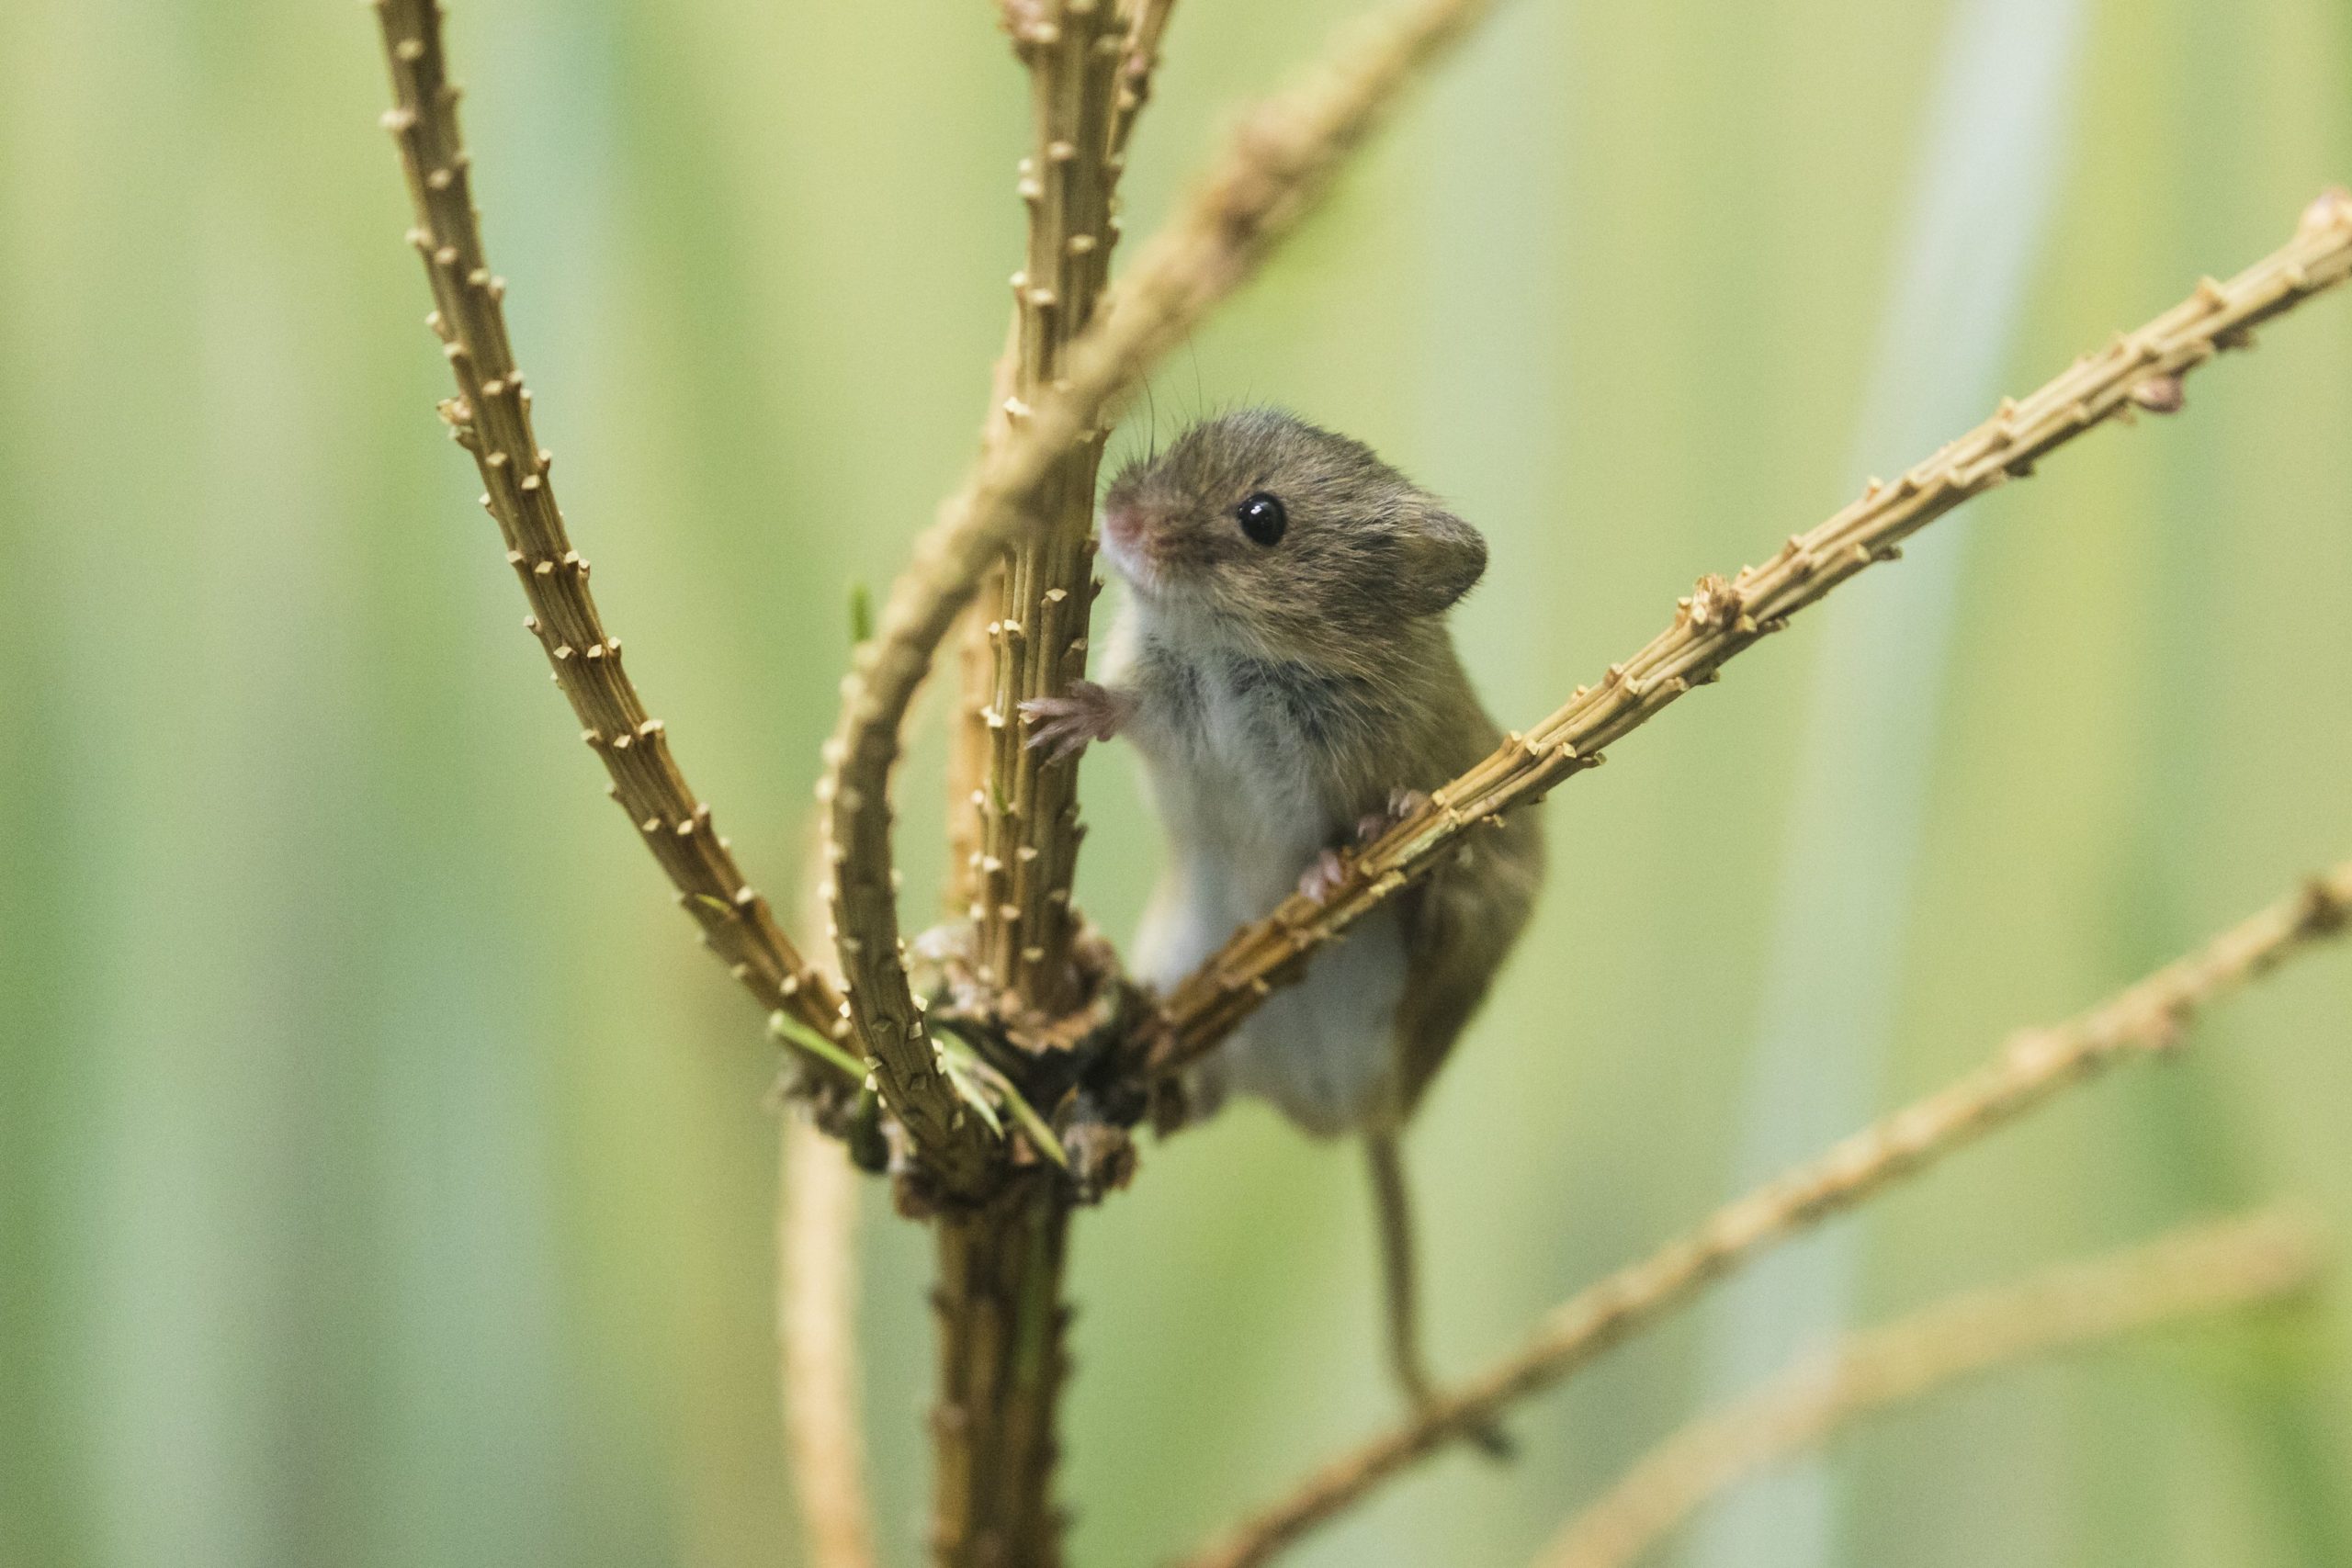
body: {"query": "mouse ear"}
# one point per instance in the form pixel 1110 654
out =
pixel 1447 560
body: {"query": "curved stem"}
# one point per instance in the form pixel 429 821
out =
pixel 491 417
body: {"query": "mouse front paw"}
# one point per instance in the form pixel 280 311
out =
pixel 1062 726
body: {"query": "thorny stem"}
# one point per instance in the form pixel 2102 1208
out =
pixel 491 417
pixel 2197 1271
pixel 1028 805
pixel 1002 1229
pixel 2137 1024
pixel 2140 370
pixel 1002 1363
pixel 1280 160
pixel 1013 821
pixel 971 750
pixel 1138 63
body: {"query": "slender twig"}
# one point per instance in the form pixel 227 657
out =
pixel 2194 1272
pixel 971 747
pixel 816 1325
pixel 491 417
pixel 1139 63
pixel 2136 1024
pixel 815 1317
pixel 2140 370
pixel 1028 807
pixel 1281 159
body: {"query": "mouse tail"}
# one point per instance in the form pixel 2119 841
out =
pixel 1400 1279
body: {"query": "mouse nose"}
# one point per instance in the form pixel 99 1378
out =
pixel 1126 542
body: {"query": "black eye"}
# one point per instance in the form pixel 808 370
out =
pixel 1263 518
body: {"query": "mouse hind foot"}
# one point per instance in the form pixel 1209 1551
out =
pixel 1331 867
pixel 1402 802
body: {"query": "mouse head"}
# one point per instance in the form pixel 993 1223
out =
pixel 1285 535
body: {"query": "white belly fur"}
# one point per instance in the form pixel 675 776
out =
pixel 1322 1050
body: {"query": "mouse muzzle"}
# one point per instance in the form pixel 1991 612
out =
pixel 1126 538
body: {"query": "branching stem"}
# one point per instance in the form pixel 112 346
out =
pixel 2140 370
pixel 2198 1271
pixel 491 417
pixel 1278 162
pixel 1020 522
pixel 2137 1024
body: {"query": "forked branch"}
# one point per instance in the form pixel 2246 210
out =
pixel 2137 1024
pixel 1720 619
pixel 491 417
pixel 1077 349
pixel 1279 160
pixel 2198 1271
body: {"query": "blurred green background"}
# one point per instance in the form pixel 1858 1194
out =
pixel 384 1177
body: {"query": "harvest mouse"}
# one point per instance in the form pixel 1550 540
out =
pixel 1283 667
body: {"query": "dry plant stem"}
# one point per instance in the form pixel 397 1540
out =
pixel 491 417
pixel 1138 63
pixel 971 749
pixel 816 1321
pixel 817 1223
pixel 1002 1363
pixel 1028 807
pixel 2194 1272
pixel 2140 369
pixel 971 743
pixel 1013 830
pixel 2139 1023
pixel 1281 159
pixel 1000 1265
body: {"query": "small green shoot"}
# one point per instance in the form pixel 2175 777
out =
pixel 978 1081
pixel 784 1026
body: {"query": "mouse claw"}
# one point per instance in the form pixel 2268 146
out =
pixel 1323 874
pixel 1402 804
pixel 1062 726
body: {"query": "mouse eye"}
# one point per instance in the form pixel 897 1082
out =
pixel 1263 518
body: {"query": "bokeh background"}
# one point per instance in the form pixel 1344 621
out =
pixel 384 1176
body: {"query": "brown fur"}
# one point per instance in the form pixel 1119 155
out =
pixel 1341 626
pixel 1284 693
